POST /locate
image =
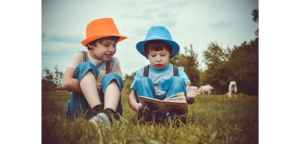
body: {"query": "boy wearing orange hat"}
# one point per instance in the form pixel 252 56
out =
pixel 94 77
pixel 160 79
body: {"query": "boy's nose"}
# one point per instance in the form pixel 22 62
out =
pixel 158 58
pixel 112 48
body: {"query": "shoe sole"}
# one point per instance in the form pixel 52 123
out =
pixel 93 122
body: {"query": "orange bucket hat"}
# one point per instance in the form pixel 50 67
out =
pixel 100 28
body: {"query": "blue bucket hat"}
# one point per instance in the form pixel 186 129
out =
pixel 158 33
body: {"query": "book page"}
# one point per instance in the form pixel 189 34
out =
pixel 176 104
pixel 180 97
pixel 153 104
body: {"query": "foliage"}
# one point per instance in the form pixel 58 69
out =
pixel 217 71
pixel 127 83
pixel 255 18
pixel 234 121
pixel 255 15
pixel 244 67
pixel 48 86
pixel 51 81
pixel 189 62
pixel 239 64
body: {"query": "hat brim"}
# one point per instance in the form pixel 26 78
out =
pixel 88 40
pixel 174 45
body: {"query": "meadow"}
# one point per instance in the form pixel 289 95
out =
pixel 232 120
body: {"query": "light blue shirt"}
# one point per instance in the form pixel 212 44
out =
pixel 160 77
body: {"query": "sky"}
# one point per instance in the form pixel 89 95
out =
pixel 190 22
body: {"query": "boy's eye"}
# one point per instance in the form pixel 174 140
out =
pixel 163 55
pixel 153 55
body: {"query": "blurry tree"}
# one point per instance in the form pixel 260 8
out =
pixel 202 75
pixel 239 64
pixel 217 71
pixel 57 77
pixel 244 66
pixel 127 83
pixel 255 15
pixel 189 62
pixel 176 60
pixel 51 81
pixel 255 19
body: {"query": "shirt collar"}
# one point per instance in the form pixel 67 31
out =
pixel 160 71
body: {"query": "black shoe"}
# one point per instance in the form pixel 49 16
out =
pixel 145 114
pixel 97 109
pixel 94 111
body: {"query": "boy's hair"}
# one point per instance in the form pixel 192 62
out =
pixel 116 38
pixel 157 45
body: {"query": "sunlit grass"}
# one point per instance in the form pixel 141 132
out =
pixel 235 120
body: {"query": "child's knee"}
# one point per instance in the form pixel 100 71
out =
pixel 84 67
pixel 176 83
pixel 115 76
pixel 90 72
pixel 176 79
pixel 144 81
pixel 112 78
pixel 114 82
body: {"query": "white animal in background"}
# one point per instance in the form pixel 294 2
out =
pixel 206 88
pixel 232 89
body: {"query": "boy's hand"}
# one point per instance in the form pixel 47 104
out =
pixel 138 105
pixel 98 87
pixel 191 91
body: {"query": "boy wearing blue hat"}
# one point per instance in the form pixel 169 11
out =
pixel 160 79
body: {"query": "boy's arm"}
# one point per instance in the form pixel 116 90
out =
pixel 183 75
pixel 191 91
pixel 69 83
pixel 132 100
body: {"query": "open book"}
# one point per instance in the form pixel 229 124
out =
pixel 173 104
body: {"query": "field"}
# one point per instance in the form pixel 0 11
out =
pixel 233 120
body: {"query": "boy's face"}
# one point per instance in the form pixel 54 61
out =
pixel 159 59
pixel 103 51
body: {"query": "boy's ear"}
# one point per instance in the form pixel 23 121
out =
pixel 90 46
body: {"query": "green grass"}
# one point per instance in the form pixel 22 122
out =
pixel 234 121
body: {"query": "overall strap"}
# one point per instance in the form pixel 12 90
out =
pixel 84 56
pixel 146 71
pixel 107 67
pixel 175 70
